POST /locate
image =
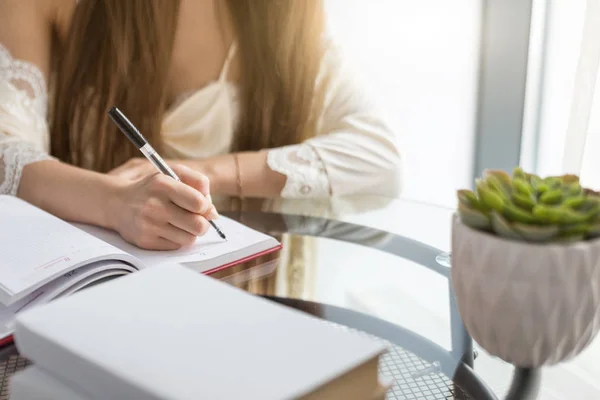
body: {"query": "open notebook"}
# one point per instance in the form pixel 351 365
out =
pixel 43 257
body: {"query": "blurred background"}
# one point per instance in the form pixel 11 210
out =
pixel 474 84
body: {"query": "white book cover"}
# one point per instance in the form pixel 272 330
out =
pixel 33 383
pixel 168 333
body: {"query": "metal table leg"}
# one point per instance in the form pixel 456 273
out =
pixel 525 384
pixel 462 343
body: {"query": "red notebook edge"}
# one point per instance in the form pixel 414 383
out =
pixel 245 259
pixel 8 340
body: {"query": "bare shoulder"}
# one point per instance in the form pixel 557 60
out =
pixel 26 27
pixel 35 9
pixel 54 13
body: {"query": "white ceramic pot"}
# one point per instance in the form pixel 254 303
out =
pixel 528 304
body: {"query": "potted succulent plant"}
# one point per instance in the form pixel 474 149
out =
pixel 526 266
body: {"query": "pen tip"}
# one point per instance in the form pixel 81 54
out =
pixel 219 231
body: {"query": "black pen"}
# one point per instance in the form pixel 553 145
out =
pixel 142 144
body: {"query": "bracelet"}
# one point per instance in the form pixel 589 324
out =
pixel 238 176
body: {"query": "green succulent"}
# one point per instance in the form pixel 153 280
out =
pixel 526 207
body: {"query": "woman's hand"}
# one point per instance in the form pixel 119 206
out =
pixel 159 213
pixel 136 168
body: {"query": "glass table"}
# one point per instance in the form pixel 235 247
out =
pixel 373 265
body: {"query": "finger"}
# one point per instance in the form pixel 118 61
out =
pixel 195 224
pixel 176 235
pixel 193 178
pixel 199 182
pixel 191 200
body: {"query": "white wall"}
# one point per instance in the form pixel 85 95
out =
pixel 420 58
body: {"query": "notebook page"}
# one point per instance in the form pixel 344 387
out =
pixel 37 247
pixel 206 247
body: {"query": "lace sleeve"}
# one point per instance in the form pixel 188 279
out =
pixel 24 136
pixel 305 172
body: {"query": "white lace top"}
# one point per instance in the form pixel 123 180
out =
pixel 353 151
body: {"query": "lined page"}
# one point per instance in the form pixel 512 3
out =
pixel 37 246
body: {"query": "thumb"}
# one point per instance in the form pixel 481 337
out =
pixel 193 178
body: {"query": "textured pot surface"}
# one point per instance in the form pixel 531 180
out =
pixel 528 304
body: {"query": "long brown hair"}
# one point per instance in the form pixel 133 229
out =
pixel 119 53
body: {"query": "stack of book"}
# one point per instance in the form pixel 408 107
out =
pixel 170 333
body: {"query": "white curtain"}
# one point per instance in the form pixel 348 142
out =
pixel 579 143
pixel 562 114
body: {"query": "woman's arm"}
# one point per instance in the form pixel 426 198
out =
pixel 70 193
pixel 155 213
pixel 256 178
pixel 353 152
pixel 26 169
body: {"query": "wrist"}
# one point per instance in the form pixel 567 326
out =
pixel 217 170
pixel 113 202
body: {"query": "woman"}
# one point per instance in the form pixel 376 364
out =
pixel 247 95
